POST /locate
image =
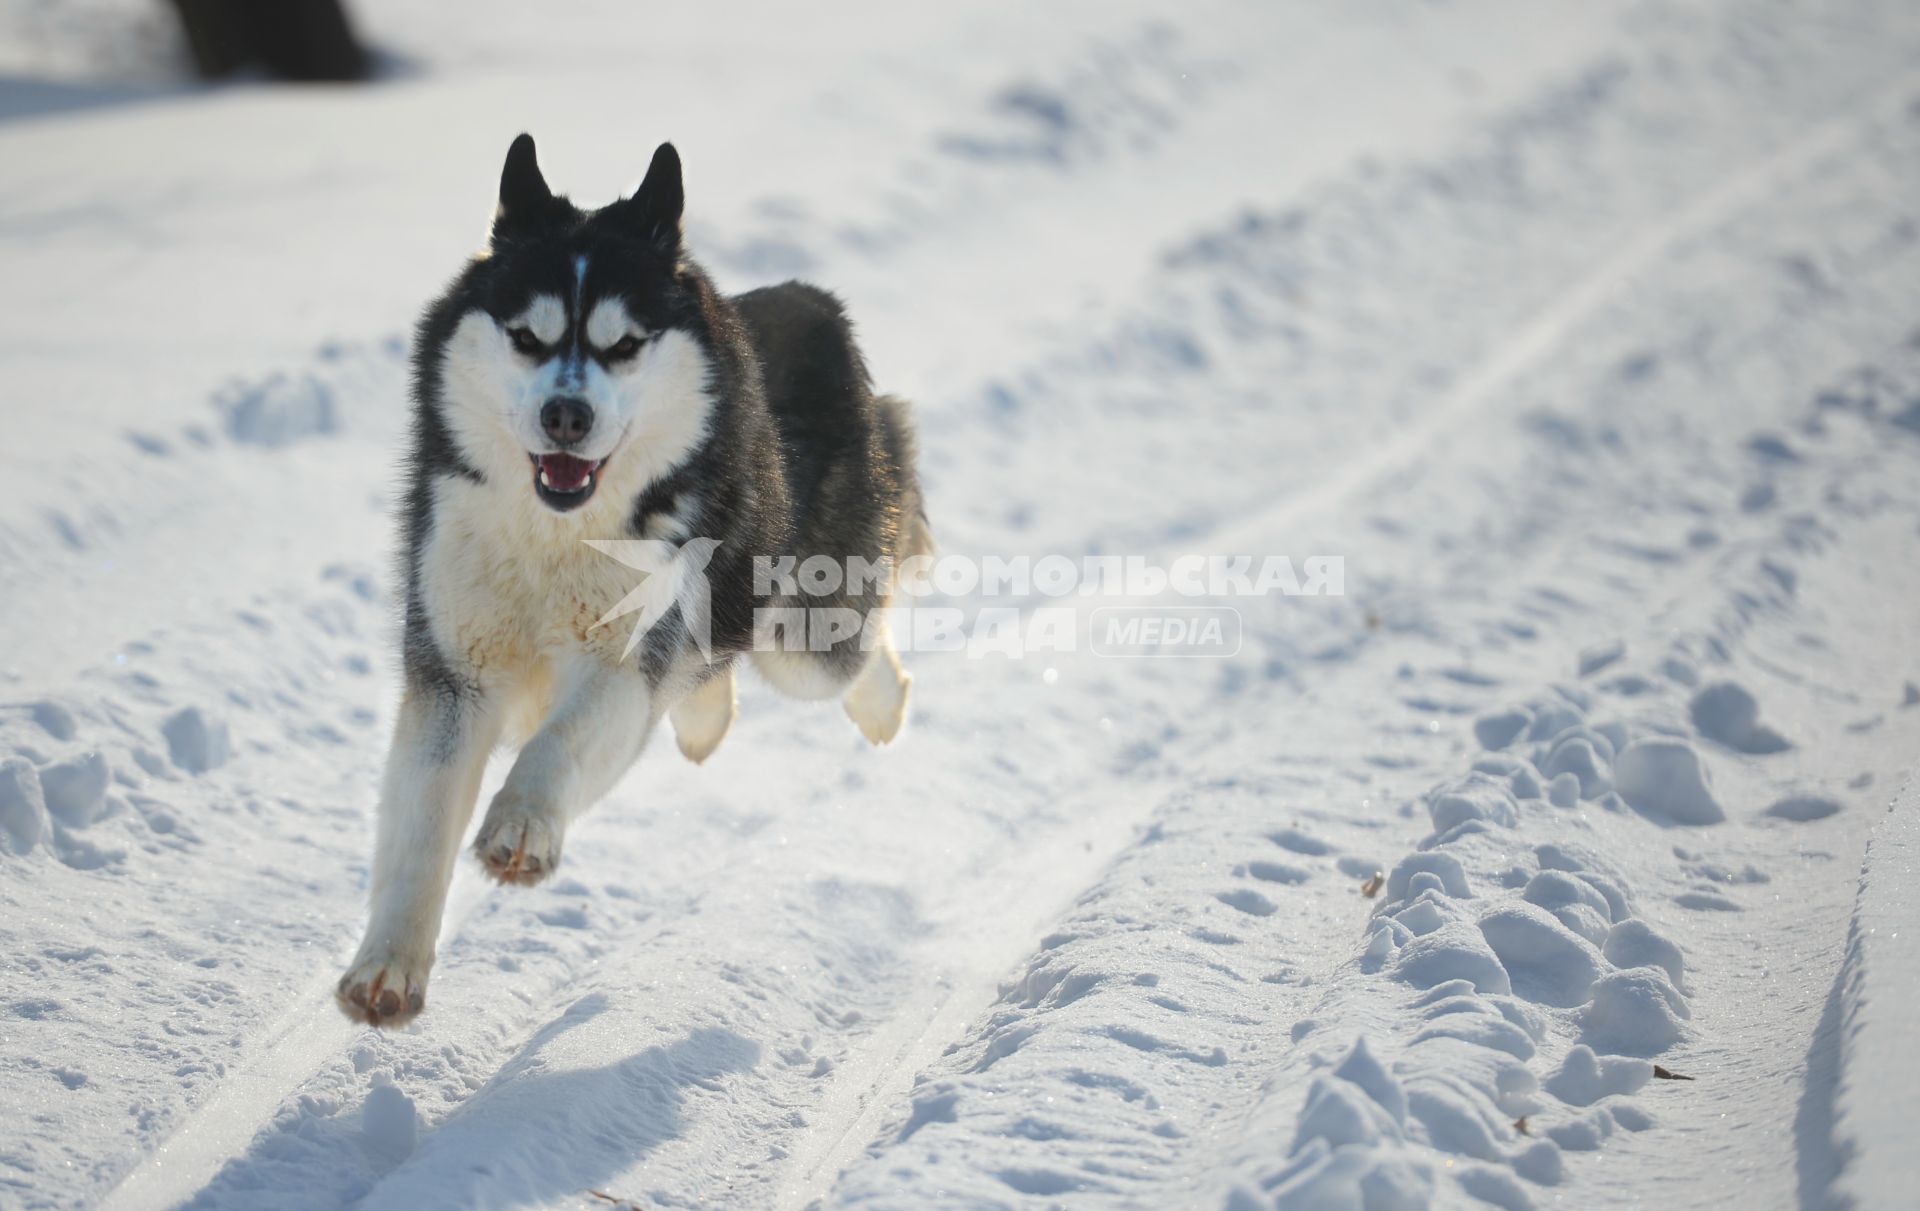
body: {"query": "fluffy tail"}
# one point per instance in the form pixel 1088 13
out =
pixel 896 425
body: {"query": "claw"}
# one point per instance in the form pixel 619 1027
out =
pixel 519 855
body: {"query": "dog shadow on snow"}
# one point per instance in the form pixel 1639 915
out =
pixel 532 1134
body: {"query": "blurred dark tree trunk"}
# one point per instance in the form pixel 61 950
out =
pixel 288 39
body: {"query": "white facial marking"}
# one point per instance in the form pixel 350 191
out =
pixel 649 414
pixel 608 323
pixel 545 317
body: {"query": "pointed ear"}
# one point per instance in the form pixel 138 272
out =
pixel 523 191
pixel 653 212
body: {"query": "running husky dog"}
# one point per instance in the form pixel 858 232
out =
pixel 583 380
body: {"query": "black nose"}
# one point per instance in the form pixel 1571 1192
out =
pixel 566 420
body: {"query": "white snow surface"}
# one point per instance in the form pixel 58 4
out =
pixel 1587 333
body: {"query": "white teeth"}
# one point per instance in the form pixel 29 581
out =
pixel 584 485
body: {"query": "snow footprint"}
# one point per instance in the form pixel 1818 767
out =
pixel 1801 809
pixel 1727 713
pixel 1276 872
pixel 53 719
pixel 1300 843
pixel 24 819
pixel 1247 901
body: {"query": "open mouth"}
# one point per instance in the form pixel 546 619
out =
pixel 564 482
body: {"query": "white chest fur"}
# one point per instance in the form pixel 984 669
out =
pixel 509 584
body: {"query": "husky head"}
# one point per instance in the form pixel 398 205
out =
pixel 577 358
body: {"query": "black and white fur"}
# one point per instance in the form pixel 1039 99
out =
pixel 588 339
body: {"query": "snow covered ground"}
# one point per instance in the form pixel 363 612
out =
pixel 1587 334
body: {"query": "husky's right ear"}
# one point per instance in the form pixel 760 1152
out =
pixel 524 195
pixel 653 212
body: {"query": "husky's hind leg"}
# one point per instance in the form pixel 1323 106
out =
pixel 871 685
pixel 877 702
pixel 701 719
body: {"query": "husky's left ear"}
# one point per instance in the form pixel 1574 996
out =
pixel 653 212
pixel 525 199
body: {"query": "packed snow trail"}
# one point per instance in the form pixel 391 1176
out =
pixel 1048 1095
pixel 1605 395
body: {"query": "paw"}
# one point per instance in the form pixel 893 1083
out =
pixel 383 990
pixel 518 843
pixel 697 748
pixel 877 703
pixel 701 719
pixel 699 733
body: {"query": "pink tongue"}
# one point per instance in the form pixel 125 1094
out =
pixel 566 473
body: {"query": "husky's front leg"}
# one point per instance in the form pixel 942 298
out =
pixel 598 725
pixel 440 747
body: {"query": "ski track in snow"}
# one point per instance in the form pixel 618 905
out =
pixel 1611 406
pixel 1490 978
